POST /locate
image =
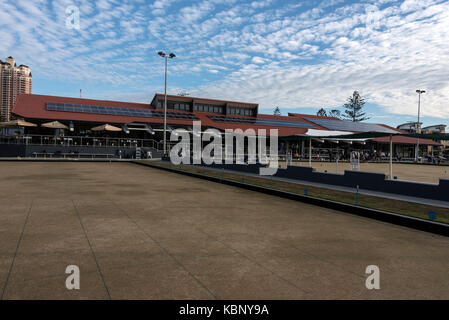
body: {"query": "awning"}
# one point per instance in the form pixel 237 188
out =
pixel 54 125
pixel 326 133
pixel 137 126
pixel 106 127
pixel 337 135
pixel 431 136
pixel 17 124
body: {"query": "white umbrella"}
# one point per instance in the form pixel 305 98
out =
pixel 106 127
pixel 17 124
pixel 54 125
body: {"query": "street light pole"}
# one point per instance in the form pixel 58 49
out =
pixel 166 57
pixel 165 108
pixel 419 92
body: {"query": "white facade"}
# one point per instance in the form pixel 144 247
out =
pixel 410 127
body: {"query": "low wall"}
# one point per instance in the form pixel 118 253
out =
pixel 365 180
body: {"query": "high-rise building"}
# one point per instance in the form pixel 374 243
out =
pixel 13 80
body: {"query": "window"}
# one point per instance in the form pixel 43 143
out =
pixel 207 108
pixel 241 111
pixel 181 106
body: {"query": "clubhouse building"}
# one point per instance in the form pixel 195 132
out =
pixel 50 126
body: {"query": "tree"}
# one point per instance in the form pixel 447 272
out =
pixel 335 113
pixel 332 113
pixel 354 108
pixel 322 113
pixel 277 111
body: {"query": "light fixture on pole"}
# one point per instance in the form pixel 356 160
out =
pixel 166 57
pixel 418 129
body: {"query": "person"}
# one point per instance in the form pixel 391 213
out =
pixel 149 155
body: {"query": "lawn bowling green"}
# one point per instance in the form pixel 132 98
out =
pixel 140 232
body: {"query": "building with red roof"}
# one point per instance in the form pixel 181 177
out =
pixel 140 121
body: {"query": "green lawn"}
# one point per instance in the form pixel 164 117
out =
pixel 390 205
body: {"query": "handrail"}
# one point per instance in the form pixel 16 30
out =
pixel 73 141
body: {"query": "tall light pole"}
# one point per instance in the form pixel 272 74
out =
pixel 166 57
pixel 419 92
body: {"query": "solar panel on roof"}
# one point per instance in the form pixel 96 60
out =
pixel 52 106
pixel 263 122
pixel 344 125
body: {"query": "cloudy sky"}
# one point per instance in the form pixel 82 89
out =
pixel 298 55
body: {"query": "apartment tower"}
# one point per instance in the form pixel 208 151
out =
pixel 13 81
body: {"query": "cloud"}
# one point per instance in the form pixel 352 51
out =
pixel 274 52
pixel 159 7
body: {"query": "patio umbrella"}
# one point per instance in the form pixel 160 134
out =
pixel 54 125
pixel 106 127
pixel 17 124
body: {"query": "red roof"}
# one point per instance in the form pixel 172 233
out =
pixel 302 116
pixel 204 100
pixel 33 106
pixel 407 140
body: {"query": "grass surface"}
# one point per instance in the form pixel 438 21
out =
pixel 390 205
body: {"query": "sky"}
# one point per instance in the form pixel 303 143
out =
pixel 298 55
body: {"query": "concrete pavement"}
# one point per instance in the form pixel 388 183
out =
pixel 142 233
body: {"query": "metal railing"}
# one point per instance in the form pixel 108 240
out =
pixel 43 140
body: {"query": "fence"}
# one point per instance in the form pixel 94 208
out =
pixel 365 180
pixel 80 141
